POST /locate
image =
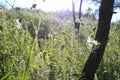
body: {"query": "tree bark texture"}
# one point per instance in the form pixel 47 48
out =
pixel 105 15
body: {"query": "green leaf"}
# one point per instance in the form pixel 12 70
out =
pixel 6 76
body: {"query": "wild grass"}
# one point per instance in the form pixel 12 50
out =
pixel 46 48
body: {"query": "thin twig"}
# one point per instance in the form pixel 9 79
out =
pixel 11 5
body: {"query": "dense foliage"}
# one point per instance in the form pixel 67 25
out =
pixel 44 47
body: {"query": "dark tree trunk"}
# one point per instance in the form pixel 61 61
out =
pixel 76 24
pixel 80 8
pixel 105 15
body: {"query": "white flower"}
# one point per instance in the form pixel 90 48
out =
pixel 77 20
pixel 19 25
pixel 92 42
pixel 50 35
pixel 1 9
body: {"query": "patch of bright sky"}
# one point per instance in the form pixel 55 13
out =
pixel 53 5
pixel 48 5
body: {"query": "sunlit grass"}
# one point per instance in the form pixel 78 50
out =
pixel 58 54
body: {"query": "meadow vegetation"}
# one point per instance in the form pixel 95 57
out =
pixel 42 46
